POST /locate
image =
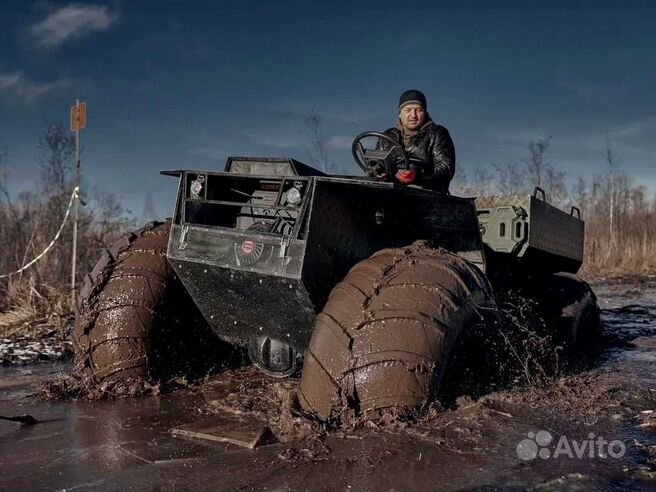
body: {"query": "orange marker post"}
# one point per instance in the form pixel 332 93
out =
pixel 78 122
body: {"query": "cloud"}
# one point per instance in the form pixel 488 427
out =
pixel 71 22
pixel 16 84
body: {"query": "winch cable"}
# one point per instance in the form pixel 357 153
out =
pixel 74 195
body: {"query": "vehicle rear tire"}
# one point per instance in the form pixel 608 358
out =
pixel 390 330
pixel 575 314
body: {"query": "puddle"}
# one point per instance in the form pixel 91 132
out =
pixel 127 443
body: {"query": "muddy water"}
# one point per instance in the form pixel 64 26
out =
pixel 126 444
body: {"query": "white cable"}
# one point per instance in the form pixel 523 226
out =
pixel 54 240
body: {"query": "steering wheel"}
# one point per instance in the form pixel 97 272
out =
pixel 379 162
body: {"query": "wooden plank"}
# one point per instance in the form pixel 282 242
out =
pixel 242 431
pixel 13 382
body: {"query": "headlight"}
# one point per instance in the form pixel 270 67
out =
pixel 196 187
pixel 293 196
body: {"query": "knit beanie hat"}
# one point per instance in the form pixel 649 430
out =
pixel 412 96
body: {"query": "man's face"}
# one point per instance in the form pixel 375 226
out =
pixel 412 116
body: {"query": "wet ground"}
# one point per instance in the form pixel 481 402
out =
pixel 595 430
pixel 27 349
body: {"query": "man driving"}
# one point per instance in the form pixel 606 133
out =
pixel 428 145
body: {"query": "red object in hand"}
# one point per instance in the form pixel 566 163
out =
pixel 406 176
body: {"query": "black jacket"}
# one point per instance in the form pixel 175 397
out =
pixel 431 153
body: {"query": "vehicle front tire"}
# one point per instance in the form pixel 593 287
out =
pixel 135 321
pixel 390 331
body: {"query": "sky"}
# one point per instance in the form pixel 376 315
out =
pixel 172 85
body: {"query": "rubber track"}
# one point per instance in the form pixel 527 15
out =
pixel 117 305
pixel 387 330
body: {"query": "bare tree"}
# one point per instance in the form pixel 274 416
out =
pixel 482 180
pixel 29 220
pixel 58 147
pixel 555 186
pixel 479 184
pixel 536 165
pixel 34 219
pixel 610 162
pixel 104 220
pixel 510 178
pixel 540 172
pixel 11 224
pixel 460 184
pixel 4 178
pixel 148 211
pixel 318 151
pixel 580 195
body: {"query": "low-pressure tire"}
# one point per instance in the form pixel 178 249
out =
pixel 575 314
pixel 391 329
pixel 118 304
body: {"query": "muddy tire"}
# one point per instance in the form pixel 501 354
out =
pixel 389 331
pixel 117 306
pixel 135 320
pixel 575 316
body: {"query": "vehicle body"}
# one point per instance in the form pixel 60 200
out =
pixel 289 262
pixel 276 289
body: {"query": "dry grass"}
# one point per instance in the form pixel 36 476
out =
pixel 634 253
pixel 31 309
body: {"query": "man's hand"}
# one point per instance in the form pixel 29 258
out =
pixel 406 176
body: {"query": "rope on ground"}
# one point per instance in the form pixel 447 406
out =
pixel 74 195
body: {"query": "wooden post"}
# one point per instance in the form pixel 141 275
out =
pixel 78 121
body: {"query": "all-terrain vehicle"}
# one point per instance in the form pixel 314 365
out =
pixel 386 295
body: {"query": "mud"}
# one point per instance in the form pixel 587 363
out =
pixel 126 443
pixel 247 392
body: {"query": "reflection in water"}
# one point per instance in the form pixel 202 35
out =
pixel 114 442
pixel 81 441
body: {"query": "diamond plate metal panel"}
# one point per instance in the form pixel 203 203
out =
pixel 554 231
pixel 503 201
